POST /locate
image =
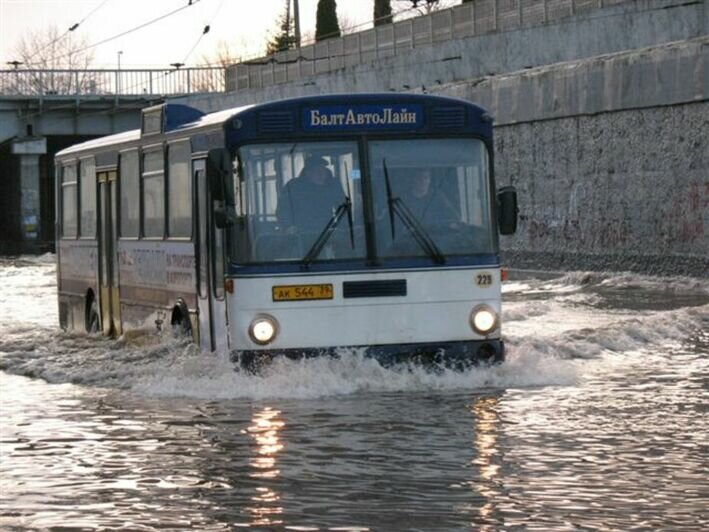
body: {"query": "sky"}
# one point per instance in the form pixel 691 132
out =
pixel 243 24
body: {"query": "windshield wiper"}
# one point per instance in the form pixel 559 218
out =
pixel 344 208
pixel 398 207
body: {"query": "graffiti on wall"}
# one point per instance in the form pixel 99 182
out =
pixel 689 214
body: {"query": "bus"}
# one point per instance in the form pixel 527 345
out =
pixel 295 227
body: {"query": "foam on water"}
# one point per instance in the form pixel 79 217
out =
pixel 550 342
pixel 173 367
pixel 620 280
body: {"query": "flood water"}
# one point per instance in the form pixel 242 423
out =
pixel 597 420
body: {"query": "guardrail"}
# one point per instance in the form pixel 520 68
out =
pixel 153 82
pixel 465 20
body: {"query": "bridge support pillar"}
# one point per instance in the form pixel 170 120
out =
pixel 29 150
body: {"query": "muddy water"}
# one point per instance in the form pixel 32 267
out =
pixel 598 419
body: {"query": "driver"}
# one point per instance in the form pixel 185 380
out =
pixel 307 202
pixel 426 203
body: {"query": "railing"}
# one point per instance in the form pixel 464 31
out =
pixel 466 20
pixel 42 83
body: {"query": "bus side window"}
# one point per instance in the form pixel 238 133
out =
pixel 87 198
pixel 69 205
pixel 179 191
pixel 130 195
pixel 153 194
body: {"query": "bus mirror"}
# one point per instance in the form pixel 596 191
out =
pixel 218 173
pixel 222 220
pixel 507 210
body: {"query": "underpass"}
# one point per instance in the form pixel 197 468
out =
pixel 44 111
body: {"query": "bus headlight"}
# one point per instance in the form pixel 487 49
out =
pixel 263 329
pixel 483 319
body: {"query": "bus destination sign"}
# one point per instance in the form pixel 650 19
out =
pixel 363 117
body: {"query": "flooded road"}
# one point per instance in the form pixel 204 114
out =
pixel 597 420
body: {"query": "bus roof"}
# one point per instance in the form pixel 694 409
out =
pixel 215 118
pixel 178 117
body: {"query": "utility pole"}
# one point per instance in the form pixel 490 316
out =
pixel 296 20
pixel 287 23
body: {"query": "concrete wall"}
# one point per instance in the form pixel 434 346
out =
pixel 610 156
pixel 624 190
pixel 667 74
pixel 471 19
pixel 626 26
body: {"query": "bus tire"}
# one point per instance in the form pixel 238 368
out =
pixel 92 322
pixel 180 319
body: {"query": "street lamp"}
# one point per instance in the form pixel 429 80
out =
pixel 118 82
pixel 15 63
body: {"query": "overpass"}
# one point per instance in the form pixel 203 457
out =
pixel 44 111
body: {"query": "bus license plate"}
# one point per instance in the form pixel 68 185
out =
pixel 302 292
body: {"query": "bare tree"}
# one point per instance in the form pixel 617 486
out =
pixel 415 8
pixel 225 54
pixel 223 57
pixel 347 25
pixel 53 50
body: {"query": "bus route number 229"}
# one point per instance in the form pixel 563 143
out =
pixel 483 279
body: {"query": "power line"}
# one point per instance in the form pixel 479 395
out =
pixel 87 16
pixel 131 30
pixel 182 63
pixel 73 27
pixel 204 31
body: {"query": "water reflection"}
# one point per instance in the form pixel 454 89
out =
pixel 487 425
pixel 264 429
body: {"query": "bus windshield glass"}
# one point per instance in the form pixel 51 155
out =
pixel 431 198
pixel 298 201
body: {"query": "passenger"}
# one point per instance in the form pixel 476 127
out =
pixel 307 203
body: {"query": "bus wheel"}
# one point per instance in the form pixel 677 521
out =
pixel 92 318
pixel 180 320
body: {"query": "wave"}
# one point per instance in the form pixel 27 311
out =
pixel 170 366
pixel 611 280
pixel 555 339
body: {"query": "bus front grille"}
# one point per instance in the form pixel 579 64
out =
pixel 389 288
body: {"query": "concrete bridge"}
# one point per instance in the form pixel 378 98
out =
pixel 44 111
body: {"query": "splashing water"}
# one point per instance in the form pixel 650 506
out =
pixel 555 334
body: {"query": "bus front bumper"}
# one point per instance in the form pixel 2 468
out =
pixel 452 355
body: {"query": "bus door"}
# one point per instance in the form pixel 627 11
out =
pixel 210 267
pixel 109 300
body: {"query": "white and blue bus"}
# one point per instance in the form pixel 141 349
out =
pixel 294 227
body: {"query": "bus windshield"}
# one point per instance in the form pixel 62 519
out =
pixel 303 201
pixel 431 190
pixel 299 200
